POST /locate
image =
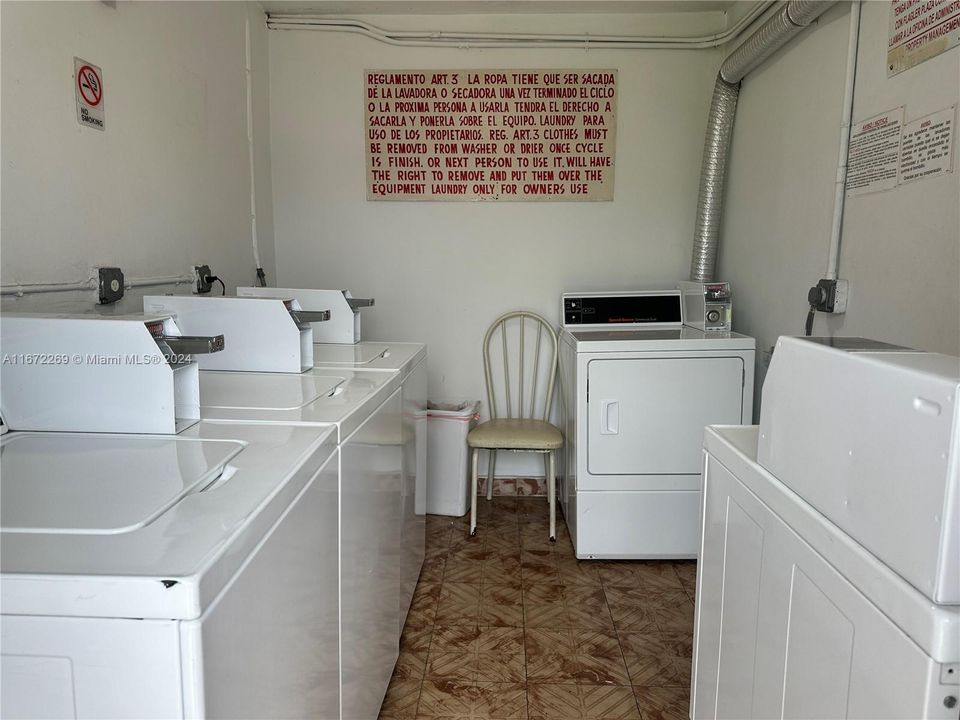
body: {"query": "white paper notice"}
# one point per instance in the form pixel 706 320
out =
pixel 874 158
pixel 920 30
pixel 927 147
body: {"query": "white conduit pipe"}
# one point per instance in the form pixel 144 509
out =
pixel 833 257
pixel 154 281
pixel 21 289
pixel 467 40
pixel 253 181
pixel 29 288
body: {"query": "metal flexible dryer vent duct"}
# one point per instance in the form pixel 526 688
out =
pixel 792 17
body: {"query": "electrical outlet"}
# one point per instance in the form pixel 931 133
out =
pixel 829 296
pixel 201 284
pixel 109 285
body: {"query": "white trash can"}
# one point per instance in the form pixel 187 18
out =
pixel 448 480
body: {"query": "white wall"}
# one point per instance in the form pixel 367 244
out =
pixel 900 248
pixel 441 272
pixel 167 184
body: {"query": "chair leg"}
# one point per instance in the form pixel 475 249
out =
pixel 473 492
pixel 491 474
pixel 552 498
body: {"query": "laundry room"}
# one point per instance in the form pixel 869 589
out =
pixel 463 358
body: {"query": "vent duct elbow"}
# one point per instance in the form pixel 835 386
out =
pixel 792 17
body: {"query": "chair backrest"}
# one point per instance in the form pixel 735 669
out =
pixel 520 399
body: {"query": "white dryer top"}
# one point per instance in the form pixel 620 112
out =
pixel 342 398
pixel 655 340
pixel 143 526
pixel 369 356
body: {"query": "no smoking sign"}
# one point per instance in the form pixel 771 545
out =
pixel 88 83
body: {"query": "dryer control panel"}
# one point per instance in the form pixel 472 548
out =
pixel 643 308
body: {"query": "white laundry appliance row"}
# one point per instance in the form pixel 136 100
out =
pixel 304 619
pixel 638 388
pixel 828 579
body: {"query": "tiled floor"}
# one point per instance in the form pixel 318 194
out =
pixel 508 625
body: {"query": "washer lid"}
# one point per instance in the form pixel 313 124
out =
pixel 58 484
pixel 175 566
pixel 317 397
pixel 251 391
pixel 362 353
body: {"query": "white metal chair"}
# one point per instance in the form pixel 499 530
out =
pixel 522 428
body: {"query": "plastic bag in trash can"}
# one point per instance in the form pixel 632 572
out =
pixel 466 410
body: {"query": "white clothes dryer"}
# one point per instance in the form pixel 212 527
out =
pixel 638 389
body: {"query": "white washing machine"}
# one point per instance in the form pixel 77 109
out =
pixel 337 345
pixel 410 361
pixel 365 410
pixel 638 389
pixel 181 573
pixel 827 584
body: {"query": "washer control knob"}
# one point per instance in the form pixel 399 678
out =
pixel 713 316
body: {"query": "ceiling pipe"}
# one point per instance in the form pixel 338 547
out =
pixel 464 39
pixel 789 20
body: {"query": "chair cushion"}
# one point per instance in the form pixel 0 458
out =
pixel 515 434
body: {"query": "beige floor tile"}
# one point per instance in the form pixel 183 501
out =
pixel 473 638
pixel 541 571
pixel 651 575
pixel 602 670
pixel 476 667
pixel 416 638
pixel 577 572
pixel 451 698
pixel 423 607
pixel 432 569
pixel 663 703
pixel 507 623
pixel 502 568
pixel 596 702
pixel 561 607
pixel 585 656
pixel 459 604
pixel 411 664
pixel 657 670
pixel 680 642
pixel 643 642
pixel 678 617
pixel 630 612
pixel 401 700
pixel 532 508
pixel 465 565
pixel 501 605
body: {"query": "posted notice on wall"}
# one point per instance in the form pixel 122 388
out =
pixel 534 135
pixel 886 152
pixel 927 146
pixel 874 155
pixel 920 30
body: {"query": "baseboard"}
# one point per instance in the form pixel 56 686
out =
pixel 514 486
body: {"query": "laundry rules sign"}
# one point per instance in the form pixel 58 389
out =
pixel 534 135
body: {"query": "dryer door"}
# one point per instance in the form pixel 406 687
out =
pixel 647 415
